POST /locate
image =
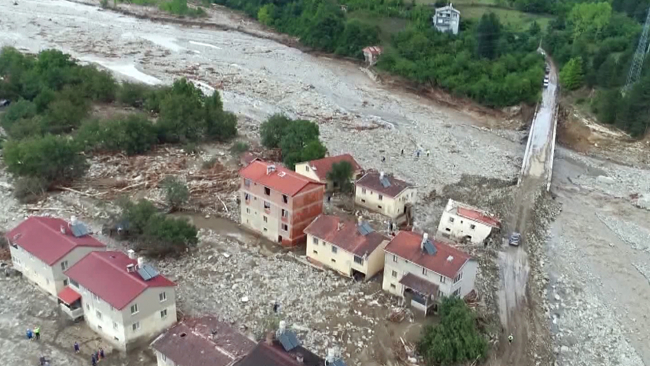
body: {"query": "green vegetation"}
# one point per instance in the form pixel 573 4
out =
pixel 341 176
pixel 298 139
pixel 239 147
pixel 49 122
pixel 156 234
pixel 176 192
pixel 571 75
pixel 179 7
pixel 456 339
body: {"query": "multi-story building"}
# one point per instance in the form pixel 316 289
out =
pixel 353 249
pixel 277 202
pixel 123 299
pixel 422 271
pixel 202 341
pixel 42 248
pixel 317 169
pixel 467 223
pixel 447 19
pixel 384 194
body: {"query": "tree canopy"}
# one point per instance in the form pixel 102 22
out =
pixel 571 76
pixel 341 176
pixel 298 139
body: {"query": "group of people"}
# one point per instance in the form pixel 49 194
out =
pixel 96 356
pixel 35 334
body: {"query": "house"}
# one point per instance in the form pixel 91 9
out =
pixel 371 54
pixel 201 342
pixel 384 193
pixel 353 249
pixel 467 223
pixel 277 202
pixel 447 19
pixel 42 248
pixel 282 348
pixel 317 169
pixel 422 271
pixel 123 299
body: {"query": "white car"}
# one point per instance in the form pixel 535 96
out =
pixel 546 81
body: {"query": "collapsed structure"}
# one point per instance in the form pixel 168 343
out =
pixel 467 223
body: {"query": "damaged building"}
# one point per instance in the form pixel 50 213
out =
pixel 385 194
pixel 467 223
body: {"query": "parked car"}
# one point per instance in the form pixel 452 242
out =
pixel 515 239
pixel 4 102
pixel 546 81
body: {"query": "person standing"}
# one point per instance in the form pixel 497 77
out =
pixel 101 353
pixel 428 153
pixel 76 347
pixel 30 335
pixel 37 333
pixel 93 360
pixel 402 152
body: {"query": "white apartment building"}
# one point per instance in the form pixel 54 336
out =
pixel 122 299
pixel 464 222
pixel 42 248
pixel 422 271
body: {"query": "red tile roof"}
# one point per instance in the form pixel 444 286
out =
pixel 68 295
pixel 326 227
pixel 371 181
pixel 478 216
pixel 203 342
pixel 42 237
pixel 104 274
pixel 406 244
pixel 322 166
pixel 282 179
pixel 274 355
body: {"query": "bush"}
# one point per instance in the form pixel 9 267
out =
pixel 53 159
pixel 137 214
pixel 22 109
pixel 133 134
pixel 165 236
pixel 179 7
pixel 134 94
pixel 456 339
pixel 29 189
pixel 176 192
pixel 239 147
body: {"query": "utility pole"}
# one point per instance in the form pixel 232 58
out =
pixel 638 58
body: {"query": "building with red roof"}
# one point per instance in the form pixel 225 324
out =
pixel 42 248
pixel 467 223
pixel 202 341
pixel 277 202
pixel 122 298
pixel 422 270
pixel 317 169
pixel 354 249
pixel 385 194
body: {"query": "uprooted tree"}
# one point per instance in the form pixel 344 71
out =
pixel 455 339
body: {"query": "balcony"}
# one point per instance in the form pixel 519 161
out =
pixel 73 313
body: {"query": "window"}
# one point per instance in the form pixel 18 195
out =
pixel 134 310
pixel 440 294
pixel 64 265
pixel 267 191
pixel 267 205
pixel 117 339
pixel 315 252
pixel 315 241
pixel 379 207
pixel 447 229
pixel 394 273
pixel 285 198
pixel 381 197
pixel 358 259
pixel 265 229
pixel 162 296
pixel 285 227
pixel 65 282
pixel 363 201
pixel 285 213
pixel 457 292
pixel 442 279
pixel 333 260
pixel 115 325
pixel 451 219
pixel 459 277
pixel 307 168
pixel 247 182
pixel 98 314
pixel 135 326
pixel 392 285
pixel 472 226
pixel 394 258
pixel 99 327
pixel 248 210
pixel 163 314
pixel 95 297
pixel 87 307
pixel 334 249
pixel 424 271
pixel 247 197
pixel 363 190
pixel 266 219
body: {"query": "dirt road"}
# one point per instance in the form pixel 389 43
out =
pixel 514 303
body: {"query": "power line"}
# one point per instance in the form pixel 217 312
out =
pixel 637 61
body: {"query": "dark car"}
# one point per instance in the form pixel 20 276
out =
pixel 515 239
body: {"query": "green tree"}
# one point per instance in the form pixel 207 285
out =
pixel 341 176
pixel 271 130
pixel 534 29
pixel 133 94
pixel 22 109
pixel 487 35
pixel 607 74
pixel 356 36
pixel 455 339
pixel 220 125
pixel 634 111
pixel 54 159
pixel 132 134
pixel 606 105
pixel 182 116
pixel 589 18
pixel 137 214
pixel 571 75
pixel 266 14
pixel 176 192
pixel 323 30
pixel 165 236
